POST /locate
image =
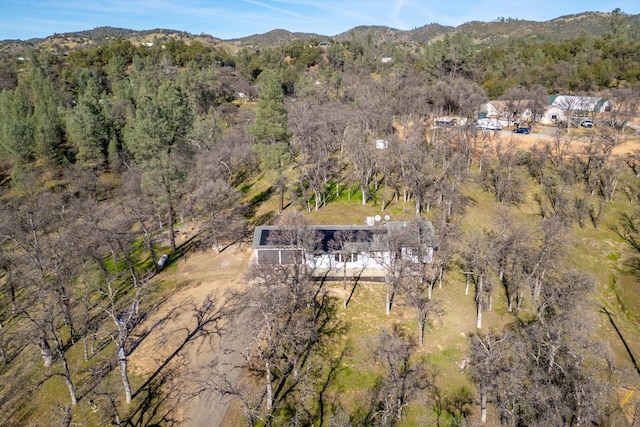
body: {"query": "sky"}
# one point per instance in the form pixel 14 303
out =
pixel 228 19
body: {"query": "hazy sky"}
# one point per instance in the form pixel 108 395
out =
pixel 25 19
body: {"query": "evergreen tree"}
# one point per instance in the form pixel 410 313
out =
pixel 87 128
pixel 270 129
pixel 157 138
pixel 17 133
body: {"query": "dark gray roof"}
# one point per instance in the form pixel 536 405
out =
pixel 354 238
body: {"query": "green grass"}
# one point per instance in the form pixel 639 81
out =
pixel 597 251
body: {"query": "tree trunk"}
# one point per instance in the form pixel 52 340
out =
pixel 65 368
pixel 519 303
pixel 267 366
pixel 122 358
pixel 281 199
pixel 3 355
pixel 466 283
pixel 483 406
pixel 67 380
pixel 388 296
pixel 85 348
pixel 344 284
pixel 479 292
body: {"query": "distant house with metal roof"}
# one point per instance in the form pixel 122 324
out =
pixel 561 107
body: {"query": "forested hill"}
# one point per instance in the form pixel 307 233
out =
pixel 494 33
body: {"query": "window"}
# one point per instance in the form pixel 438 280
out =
pixel 348 258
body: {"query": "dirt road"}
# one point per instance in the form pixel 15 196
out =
pixel 199 276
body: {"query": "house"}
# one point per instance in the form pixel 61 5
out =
pixel 354 250
pixel 556 111
pixel 562 106
pixel 386 59
pixel 499 112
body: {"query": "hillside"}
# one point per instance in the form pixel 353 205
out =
pixel 492 33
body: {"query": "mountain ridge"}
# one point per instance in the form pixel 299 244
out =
pixel 482 32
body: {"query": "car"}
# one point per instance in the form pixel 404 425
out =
pixel 586 124
pixel 163 259
pixel 489 126
pixel 523 130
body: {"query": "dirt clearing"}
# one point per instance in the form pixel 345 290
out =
pixel 198 276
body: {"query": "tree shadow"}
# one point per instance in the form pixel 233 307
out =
pixel 261 197
pixel 158 403
pixel 208 316
pixel 355 284
pixel 624 342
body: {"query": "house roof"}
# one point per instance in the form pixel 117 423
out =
pixel 580 103
pixel 354 238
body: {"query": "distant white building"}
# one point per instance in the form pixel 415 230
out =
pixel 556 111
pixel 561 106
pixel 382 144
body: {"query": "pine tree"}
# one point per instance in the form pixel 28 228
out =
pixel 270 129
pixel 157 138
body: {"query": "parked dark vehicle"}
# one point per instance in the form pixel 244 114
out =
pixel 523 130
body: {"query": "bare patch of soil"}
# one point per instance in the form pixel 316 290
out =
pixel 198 276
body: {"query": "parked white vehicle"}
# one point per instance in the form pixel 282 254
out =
pixel 163 259
pixel 487 124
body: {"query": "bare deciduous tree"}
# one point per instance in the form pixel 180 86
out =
pixel 403 377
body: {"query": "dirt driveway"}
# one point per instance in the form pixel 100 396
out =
pixel 199 276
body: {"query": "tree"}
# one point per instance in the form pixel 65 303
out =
pixel 457 97
pixel 270 129
pixel 43 263
pixel 342 244
pixel 157 138
pixel 17 129
pixel 402 377
pixel 87 128
pixel 502 179
pixel 390 256
pixel 47 121
pixel 543 371
pixel 517 99
pixel 569 105
pixel 549 243
pixel 294 327
pixel 487 359
pixel 216 202
pixel 537 102
pixel 426 308
pixel 363 158
pixel 476 265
